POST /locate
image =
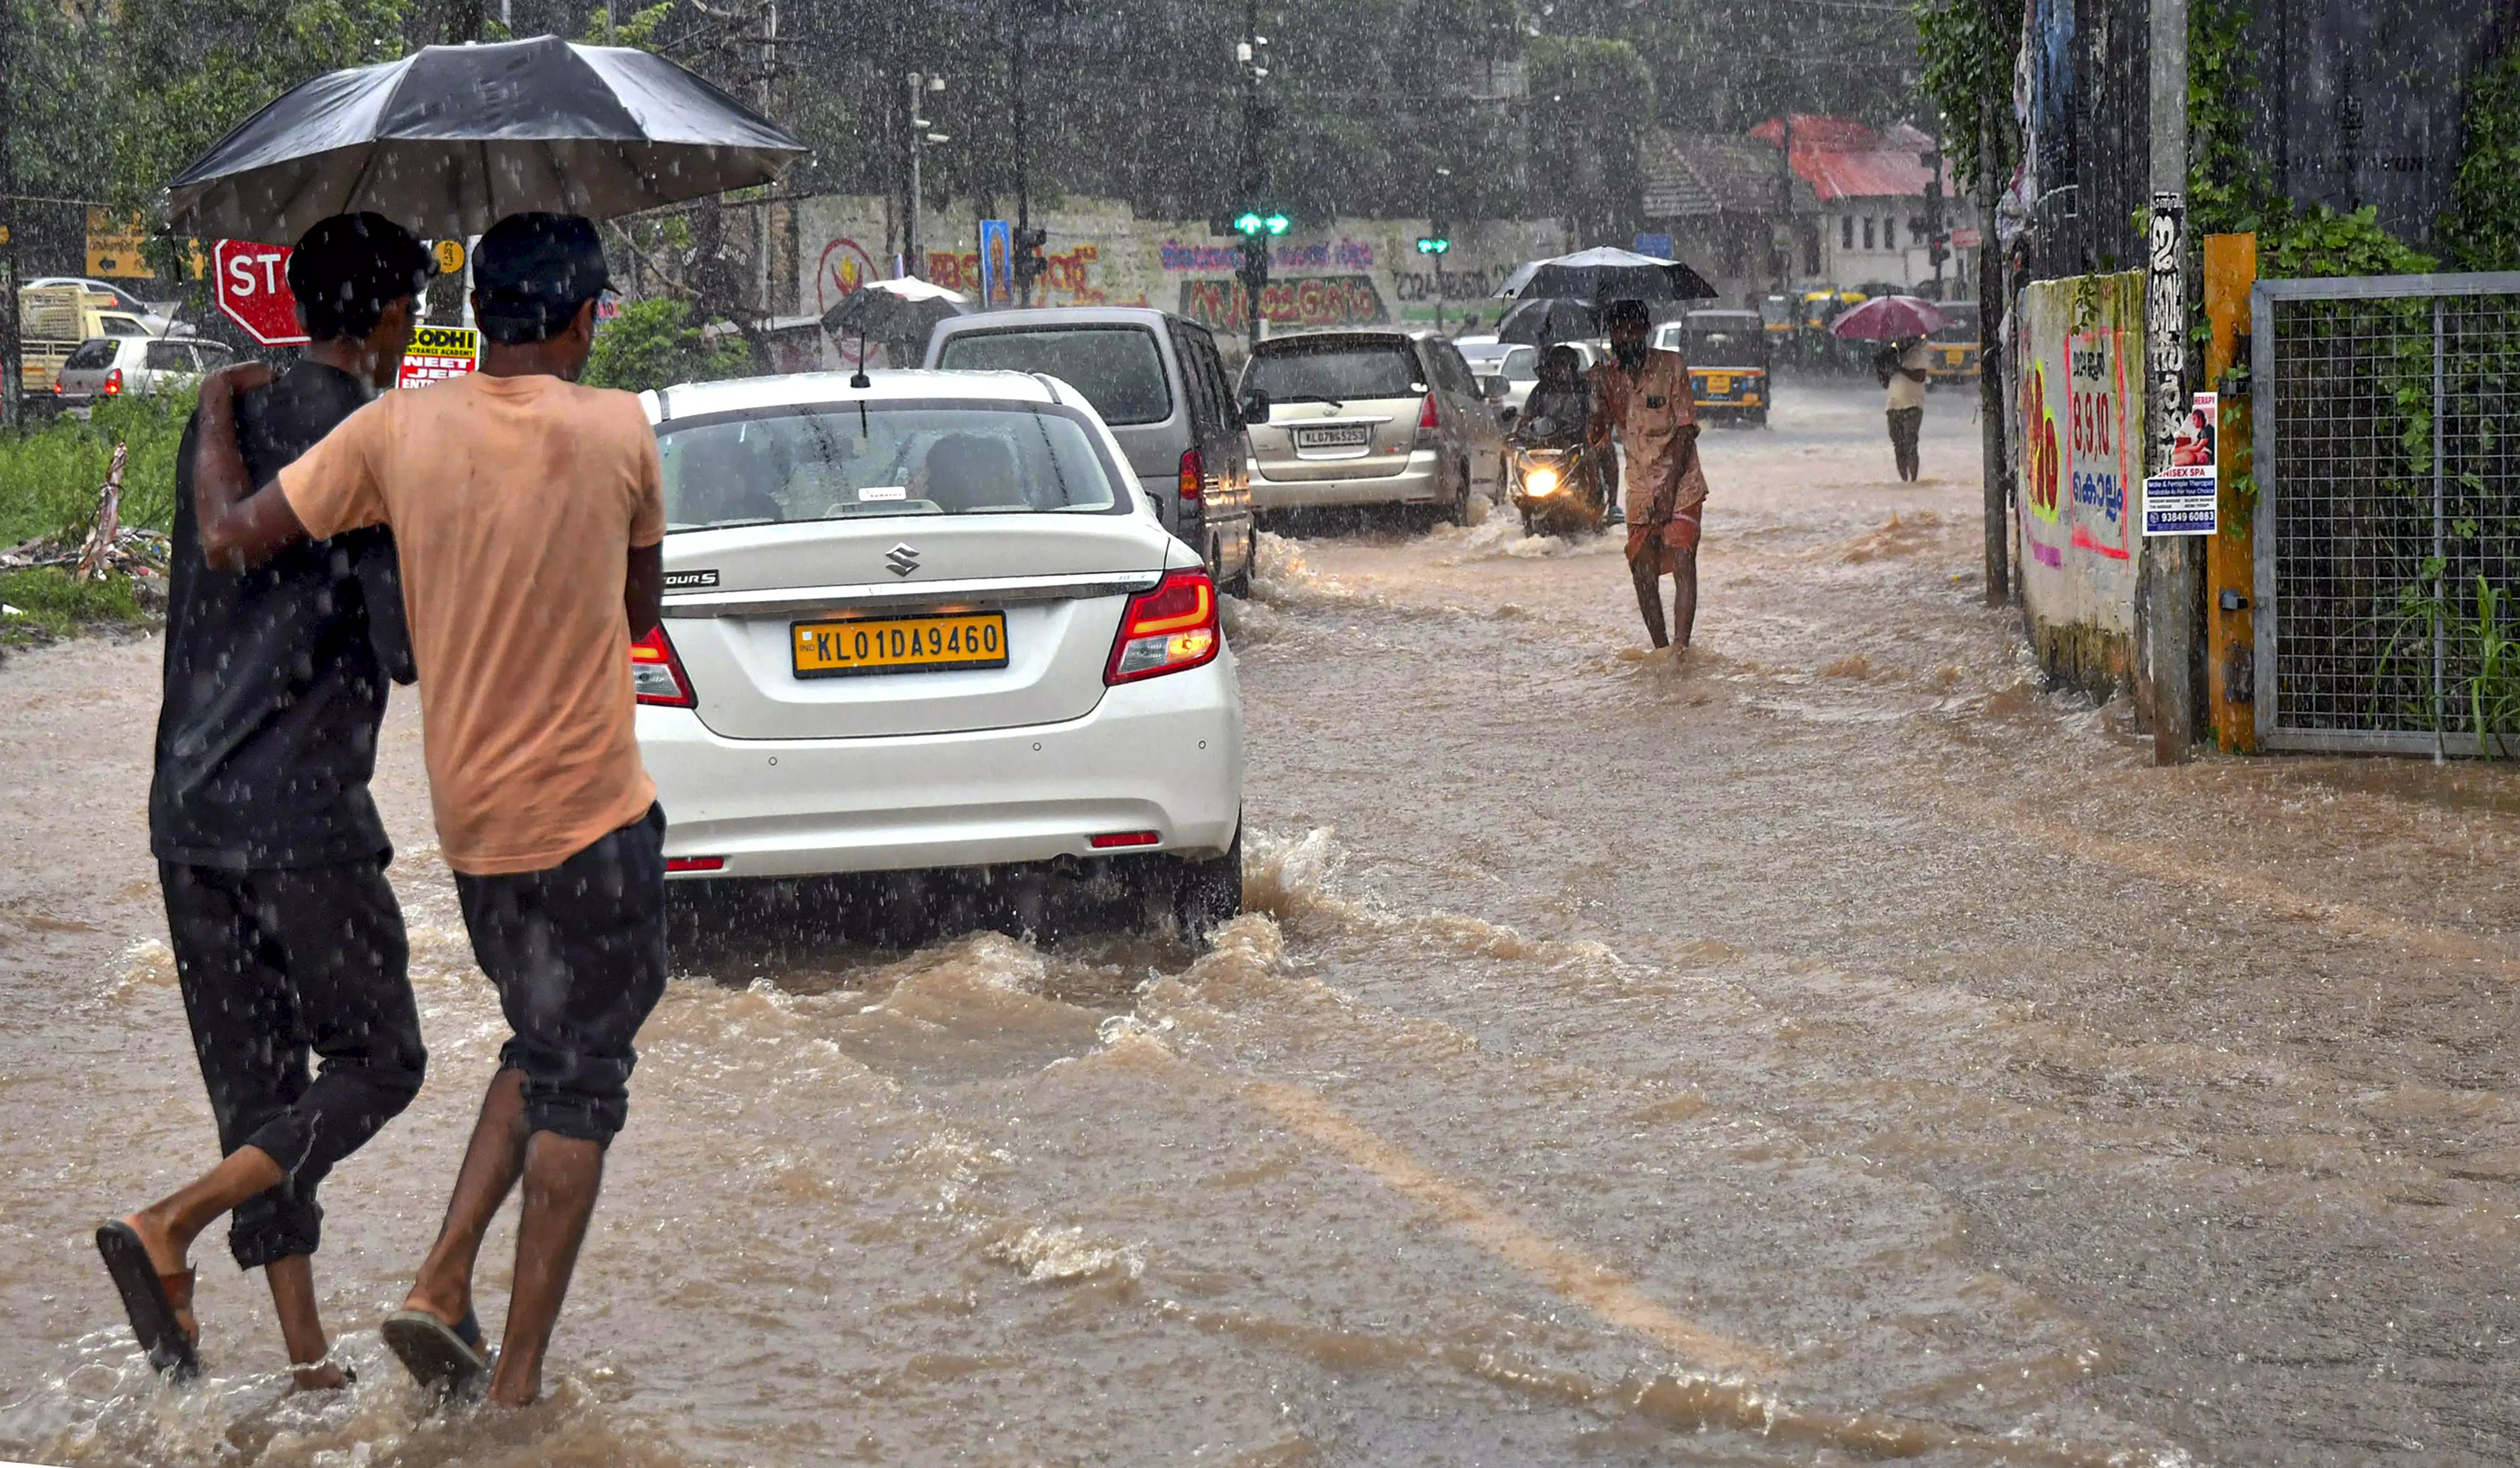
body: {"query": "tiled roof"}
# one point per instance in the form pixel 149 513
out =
pixel 1695 174
pixel 1843 159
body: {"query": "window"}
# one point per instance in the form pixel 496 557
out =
pixel 1846 232
pixel 1328 369
pixel 1521 365
pixel 108 323
pixel 1890 232
pixel 1454 375
pixel 1116 367
pixel 831 462
pixel 1867 232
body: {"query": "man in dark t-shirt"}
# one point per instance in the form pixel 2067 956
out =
pixel 287 937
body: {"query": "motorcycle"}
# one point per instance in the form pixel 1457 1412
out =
pixel 1553 482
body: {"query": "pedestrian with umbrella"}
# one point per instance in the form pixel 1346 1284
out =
pixel 530 512
pixel 1643 397
pixel 901 314
pixel 1903 321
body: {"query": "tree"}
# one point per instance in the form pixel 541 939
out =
pixel 1590 102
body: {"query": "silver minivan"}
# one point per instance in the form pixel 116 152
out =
pixel 1373 416
pixel 1160 383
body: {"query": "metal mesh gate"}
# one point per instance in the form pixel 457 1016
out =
pixel 2387 435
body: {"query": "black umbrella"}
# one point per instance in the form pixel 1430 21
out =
pixel 895 310
pixel 1606 275
pixel 451 139
pixel 1545 319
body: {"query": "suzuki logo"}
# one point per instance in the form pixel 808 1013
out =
pixel 902 558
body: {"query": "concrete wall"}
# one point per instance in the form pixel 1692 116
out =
pixel 1355 271
pixel 2076 386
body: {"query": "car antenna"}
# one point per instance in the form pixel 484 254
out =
pixel 859 381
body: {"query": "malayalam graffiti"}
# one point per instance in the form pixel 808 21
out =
pixel 1338 301
pixel 1067 279
pixel 1177 257
pixel 2103 441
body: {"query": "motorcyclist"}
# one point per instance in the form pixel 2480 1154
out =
pixel 1560 402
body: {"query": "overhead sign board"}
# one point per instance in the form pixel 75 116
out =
pixel 253 290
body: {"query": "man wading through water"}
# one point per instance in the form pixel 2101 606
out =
pixel 530 515
pixel 1643 395
pixel 286 934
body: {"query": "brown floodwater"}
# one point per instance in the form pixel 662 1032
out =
pixel 1831 1048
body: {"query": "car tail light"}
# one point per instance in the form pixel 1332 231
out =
pixel 1117 840
pixel 695 863
pixel 1168 630
pixel 112 384
pixel 656 674
pixel 1427 416
pixel 1194 477
pixel 56 387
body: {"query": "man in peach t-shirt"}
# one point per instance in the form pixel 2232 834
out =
pixel 529 514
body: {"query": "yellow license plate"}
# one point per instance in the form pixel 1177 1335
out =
pixel 1718 382
pixel 900 645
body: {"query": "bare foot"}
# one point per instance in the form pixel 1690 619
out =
pixel 166 1257
pixel 323 1376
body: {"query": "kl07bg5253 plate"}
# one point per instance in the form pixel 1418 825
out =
pixel 900 645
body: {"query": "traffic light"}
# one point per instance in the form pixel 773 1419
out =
pixel 1433 244
pixel 1252 223
pixel 1029 264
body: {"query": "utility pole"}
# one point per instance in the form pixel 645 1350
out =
pixel 1994 325
pixel 1254 179
pixel 1023 193
pixel 1785 201
pixel 2172 580
pixel 12 362
pixel 920 87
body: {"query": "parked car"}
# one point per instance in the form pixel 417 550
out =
pixel 1518 365
pixel 930 624
pixel 1951 353
pixel 108 366
pixel 1158 382
pixel 157 319
pixel 1728 363
pixel 1371 416
pixel 53 321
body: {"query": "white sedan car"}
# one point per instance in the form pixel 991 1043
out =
pixel 929 623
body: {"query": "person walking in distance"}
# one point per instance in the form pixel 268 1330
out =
pixel 287 937
pixel 1903 375
pixel 1642 395
pixel 530 515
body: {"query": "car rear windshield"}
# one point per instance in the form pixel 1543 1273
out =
pixel 1959 324
pixel 1334 371
pixel 93 353
pixel 891 459
pixel 1116 367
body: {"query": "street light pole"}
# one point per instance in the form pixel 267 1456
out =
pixel 2174 610
pixel 1023 193
pixel 12 364
pixel 920 137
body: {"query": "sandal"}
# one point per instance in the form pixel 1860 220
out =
pixel 154 1302
pixel 444 1359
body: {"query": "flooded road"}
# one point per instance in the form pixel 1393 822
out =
pixel 1830 1048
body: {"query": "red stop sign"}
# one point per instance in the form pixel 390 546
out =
pixel 253 290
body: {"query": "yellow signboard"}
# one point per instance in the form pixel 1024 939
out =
pixel 438 353
pixel 117 247
pixel 450 257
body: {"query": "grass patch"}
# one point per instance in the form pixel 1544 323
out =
pixel 50 605
pixel 49 473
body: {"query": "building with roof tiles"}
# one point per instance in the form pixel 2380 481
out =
pixel 1722 199
pixel 1873 220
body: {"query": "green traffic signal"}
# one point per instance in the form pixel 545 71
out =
pixel 1251 223
pixel 1277 224
pixel 1433 246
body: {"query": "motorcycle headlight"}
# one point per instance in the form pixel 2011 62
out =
pixel 1539 479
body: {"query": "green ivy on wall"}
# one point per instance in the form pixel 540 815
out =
pixel 2481 229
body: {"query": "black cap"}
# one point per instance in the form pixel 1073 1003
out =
pixel 535 270
pixel 348 268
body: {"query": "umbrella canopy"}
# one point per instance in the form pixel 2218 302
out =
pixel 1890 318
pixel 1606 275
pixel 451 139
pixel 895 310
pixel 1545 319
